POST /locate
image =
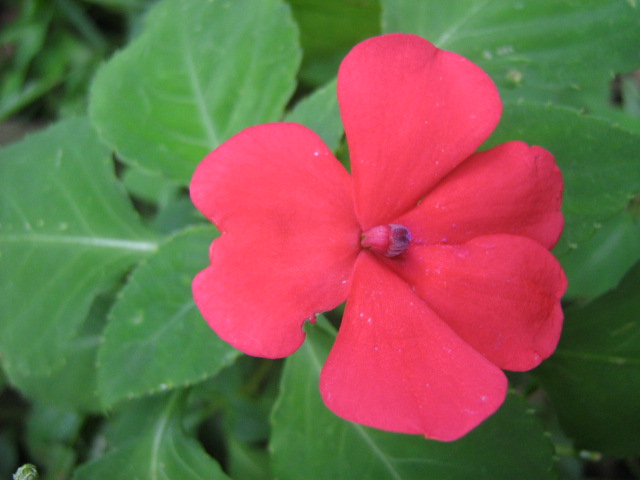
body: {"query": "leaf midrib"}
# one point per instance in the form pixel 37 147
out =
pixel 384 459
pixel 463 20
pixel 81 241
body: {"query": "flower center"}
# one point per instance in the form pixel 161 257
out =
pixel 388 240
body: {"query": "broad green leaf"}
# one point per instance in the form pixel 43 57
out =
pixel 544 49
pixel 157 449
pixel 67 231
pixel 308 441
pixel 320 112
pixel 74 384
pixel 593 378
pixel 600 263
pixel 156 339
pixel 198 73
pixel 328 30
pixel 600 102
pixel 600 163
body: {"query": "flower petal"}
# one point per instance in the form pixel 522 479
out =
pixel 512 188
pixel 396 366
pixel 500 293
pixel 290 236
pixel 411 113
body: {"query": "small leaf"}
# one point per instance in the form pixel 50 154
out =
pixel 320 112
pixel 509 445
pixel 67 232
pixel 600 163
pixel 158 447
pixel 198 73
pixel 156 339
pixel 543 49
pixel 593 378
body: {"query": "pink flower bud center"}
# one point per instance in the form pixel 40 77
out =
pixel 388 240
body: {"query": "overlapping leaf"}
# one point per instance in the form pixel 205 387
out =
pixel 153 445
pixel 328 30
pixel 594 376
pixel 539 49
pixel 67 231
pixel 600 177
pixel 73 386
pixel 308 441
pixel 320 112
pixel 600 263
pixel 156 339
pixel 198 73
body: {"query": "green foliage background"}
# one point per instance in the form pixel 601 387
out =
pixel 108 370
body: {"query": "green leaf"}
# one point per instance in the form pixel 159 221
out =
pixel 599 264
pixel 67 232
pixel 156 339
pixel 544 49
pixel 630 89
pixel 593 378
pixel 600 163
pixel 177 214
pixel 151 188
pixel 158 448
pixel 309 441
pixel 328 30
pixel 165 200
pixel 321 113
pixel 198 73
pixel 51 434
pixel 247 462
pixel 74 384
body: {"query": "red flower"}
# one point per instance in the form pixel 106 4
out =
pixel 441 253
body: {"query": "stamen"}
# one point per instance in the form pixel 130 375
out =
pixel 388 240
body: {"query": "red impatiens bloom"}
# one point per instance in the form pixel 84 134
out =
pixel 442 254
